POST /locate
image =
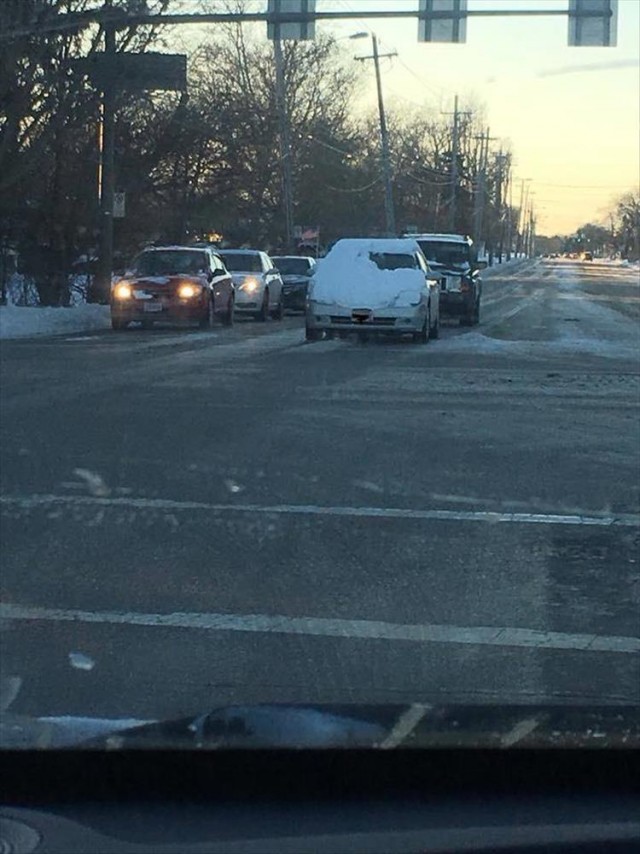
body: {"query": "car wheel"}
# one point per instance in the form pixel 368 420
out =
pixel 263 314
pixel 422 337
pixel 227 319
pixel 312 334
pixel 206 322
pixel 118 325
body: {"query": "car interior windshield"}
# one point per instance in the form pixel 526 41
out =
pixel 393 261
pixel 170 262
pixel 445 252
pixel 245 263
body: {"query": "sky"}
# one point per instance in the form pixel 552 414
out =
pixel 571 115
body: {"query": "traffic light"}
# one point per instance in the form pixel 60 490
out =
pixel 593 23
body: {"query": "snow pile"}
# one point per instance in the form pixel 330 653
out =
pixel 23 322
pixel 350 278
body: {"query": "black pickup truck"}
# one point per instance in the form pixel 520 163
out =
pixel 452 259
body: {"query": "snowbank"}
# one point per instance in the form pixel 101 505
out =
pixel 24 322
pixel 349 277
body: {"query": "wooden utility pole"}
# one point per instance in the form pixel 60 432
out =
pixel 453 169
pixel 389 209
pixel 481 186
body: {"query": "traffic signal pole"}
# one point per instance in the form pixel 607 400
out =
pixel 285 140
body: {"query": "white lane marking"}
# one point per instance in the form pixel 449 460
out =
pixel 499 636
pixel 603 521
pixel 405 725
pixel 520 730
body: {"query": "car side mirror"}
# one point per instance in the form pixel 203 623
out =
pixel 481 265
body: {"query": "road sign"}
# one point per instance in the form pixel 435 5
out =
pixel 298 31
pixel 119 205
pixel 138 72
pixel 451 27
pixel 593 23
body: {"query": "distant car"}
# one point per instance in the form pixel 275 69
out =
pixel 587 256
pixel 175 284
pixel 258 283
pixel 373 286
pixel 451 257
pixel 295 271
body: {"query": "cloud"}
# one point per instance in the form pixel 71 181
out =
pixel 590 66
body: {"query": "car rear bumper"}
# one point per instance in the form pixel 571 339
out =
pixel 456 303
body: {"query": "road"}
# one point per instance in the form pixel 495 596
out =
pixel 192 519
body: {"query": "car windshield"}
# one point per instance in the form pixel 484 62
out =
pixel 393 261
pixel 242 262
pixel 392 458
pixel 292 266
pixel 445 252
pixel 167 262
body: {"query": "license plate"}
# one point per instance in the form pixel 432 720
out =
pixel 152 307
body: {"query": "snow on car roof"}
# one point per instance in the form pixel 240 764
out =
pixel 349 277
pixel 450 238
pixel 392 245
pixel 296 257
pixel 240 251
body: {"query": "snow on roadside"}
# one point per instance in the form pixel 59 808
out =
pixel 25 322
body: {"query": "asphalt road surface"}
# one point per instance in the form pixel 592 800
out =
pixel 191 519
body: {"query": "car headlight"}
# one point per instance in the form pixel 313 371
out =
pixel 250 285
pixel 187 291
pixel 122 291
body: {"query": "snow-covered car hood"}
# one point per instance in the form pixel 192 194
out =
pixel 348 277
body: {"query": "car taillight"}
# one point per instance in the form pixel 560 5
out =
pixel 465 285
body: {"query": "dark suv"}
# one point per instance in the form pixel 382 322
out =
pixel 452 259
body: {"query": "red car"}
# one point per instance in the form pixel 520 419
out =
pixel 182 285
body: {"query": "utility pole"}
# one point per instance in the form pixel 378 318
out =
pixel 509 197
pixel 502 160
pixel 389 211
pixel 454 172
pixel 107 164
pixel 454 169
pixel 522 215
pixel 285 141
pixel 481 186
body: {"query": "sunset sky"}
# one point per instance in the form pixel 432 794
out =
pixel 571 115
